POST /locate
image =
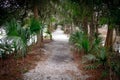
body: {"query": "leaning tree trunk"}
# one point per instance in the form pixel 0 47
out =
pixel 109 38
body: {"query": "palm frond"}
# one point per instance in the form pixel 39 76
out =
pixel 17 37
pixel 35 25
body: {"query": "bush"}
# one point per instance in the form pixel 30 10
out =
pixel 81 41
pixel 35 26
pixel 16 40
pixel 96 56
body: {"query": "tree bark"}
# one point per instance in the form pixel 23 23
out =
pixel 92 29
pixel 109 38
pixel 35 10
pixel 85 25
pixel 117 31
pixel 96 24
pixel 39 34
pixel 39 39
pixel 50 31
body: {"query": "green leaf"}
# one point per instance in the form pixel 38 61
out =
pixel 35 25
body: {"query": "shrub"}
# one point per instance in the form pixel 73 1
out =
pixel 35 25
pixel 16 39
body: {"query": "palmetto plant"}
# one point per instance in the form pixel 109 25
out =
pixel 115 64
pixel 94 52
pixel 96 44
pixel 101 59
pixel 80 40
pixel 36 28
pixel 86 44
pixel 35 25
pixel 17 37
pixel 75 39
pixel 107 60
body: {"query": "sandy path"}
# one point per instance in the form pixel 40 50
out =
pixel 59 65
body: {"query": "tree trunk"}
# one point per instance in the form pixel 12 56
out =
pixel 85 25
pixel 96 24
pixel 117 31
pixel 71 28
pixel 109 38
pixel 92 29
pixel 39 37
pixel 35 10
pixel 50 31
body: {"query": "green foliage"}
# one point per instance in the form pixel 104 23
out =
pixel 115 63
pixel 82 42
pixel 76 38
pixel 52 19
pixel 12 44
pixel 96 60
pixel 104 74
pixel 35 25
pixel 95 45
pixel 100 58
pixel 17 38
pixel 108 61
pixel 18 45
pixel 86 44
pixel 103 20
pixel 12 28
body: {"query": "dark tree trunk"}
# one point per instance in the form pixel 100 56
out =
pixel 96 24
pixel 92 29
pixel 109 38
pixel 39 34
pixel 50 31
pixel 117 30
pixel 35 10
pixel 85 25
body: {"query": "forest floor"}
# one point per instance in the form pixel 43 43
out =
pixel 55 61
pixel 14 66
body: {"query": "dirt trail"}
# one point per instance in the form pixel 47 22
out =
pixel 59 65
